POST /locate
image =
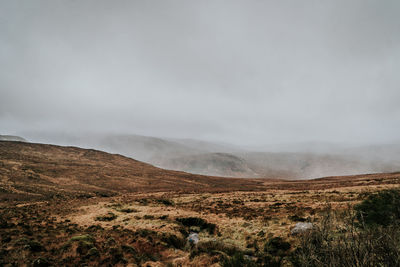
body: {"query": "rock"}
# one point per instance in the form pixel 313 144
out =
pixel 193 238
pixel 301 227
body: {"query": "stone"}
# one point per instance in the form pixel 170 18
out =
pixel 193 238
pixel 301 227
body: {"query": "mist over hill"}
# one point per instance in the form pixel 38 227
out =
pixel 290 161
pixel 11 138
pixel 220 164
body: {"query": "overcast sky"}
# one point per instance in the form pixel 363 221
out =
pixel 246 72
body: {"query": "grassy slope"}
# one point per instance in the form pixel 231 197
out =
pixel 143 228
pixel 39 171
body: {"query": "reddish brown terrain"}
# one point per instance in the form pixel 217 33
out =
pixel 38 171
pixel 67 206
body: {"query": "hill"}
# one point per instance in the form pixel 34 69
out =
pixel 300 161
pixel 307 165
pixel 38 171
pixel 30 171
pixel 11 138
pixel 220 164
pixel 68 206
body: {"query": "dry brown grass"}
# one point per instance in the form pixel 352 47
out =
pixel 51 194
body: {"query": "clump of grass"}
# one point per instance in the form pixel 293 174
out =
pixel 117 256
pixel 41 262
pixel 237 260
pixel 32 245
pixel 107 217
pixel 35 246
pixel 297 218
pixel 143 201
pixel 199 222
pixel 145 233
pixel 128 210
pixel 173 241
pixel 93 252
pixel 129 249
pixel 85 243
pixel 165 201
pixel 214 247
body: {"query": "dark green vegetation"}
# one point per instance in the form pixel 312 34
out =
pixel 382 208
pixel 369 235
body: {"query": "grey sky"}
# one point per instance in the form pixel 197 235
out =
pixel 246 72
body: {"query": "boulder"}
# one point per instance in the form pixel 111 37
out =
pixel 301 227
pixel 193 238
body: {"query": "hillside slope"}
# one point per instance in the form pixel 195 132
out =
pixel 300 161
pixel 308 165
pixel 29 170
pixel 220 164
pixel 11 138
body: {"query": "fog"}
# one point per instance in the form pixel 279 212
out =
pixel 250 73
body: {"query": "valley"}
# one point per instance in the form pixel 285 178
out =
pixel 70 206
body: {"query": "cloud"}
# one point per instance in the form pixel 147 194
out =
pixel 247 72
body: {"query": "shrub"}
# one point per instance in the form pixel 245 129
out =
pixel 276 246
pixel 382 208
pixel 332 244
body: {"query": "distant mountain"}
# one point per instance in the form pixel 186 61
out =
pixel 220 164
pixel 385 152
pixel 144 148
pixel 11 138
pixel 303 147
pixel 309 165
pixel 211 147
pixel 300 161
